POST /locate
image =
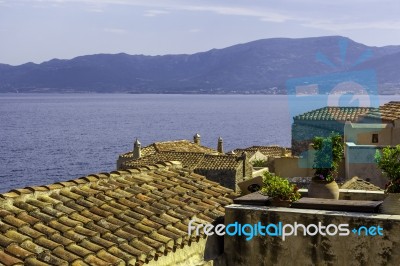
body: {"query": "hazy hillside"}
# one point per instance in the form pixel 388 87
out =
pixel 261 66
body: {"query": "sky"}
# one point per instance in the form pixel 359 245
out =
pixel 40 30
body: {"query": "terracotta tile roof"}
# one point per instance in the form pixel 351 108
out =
pixel 172 146
pixel 182 146
pixel 123 217
pixel 148 150
pixel 387 112
pixel 219 162
pixel 270 151
pixel 189 160
pixel 334 113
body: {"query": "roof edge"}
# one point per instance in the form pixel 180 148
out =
pixel 23 193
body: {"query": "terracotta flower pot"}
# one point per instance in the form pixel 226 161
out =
pixel 391 204
pixel 323 189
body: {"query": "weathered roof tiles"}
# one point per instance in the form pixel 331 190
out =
pixel 270 151
pixel 388 112
pixel 189 160
pixel 121 218
pixel 334 113
pixel 172 146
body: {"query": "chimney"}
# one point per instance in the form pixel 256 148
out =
pixel 137 150
pixel 196 139
pixel 283 152
pixel 220 147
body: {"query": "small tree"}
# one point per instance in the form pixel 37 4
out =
pixel 389 162
pixel 279 188
pixel 329 153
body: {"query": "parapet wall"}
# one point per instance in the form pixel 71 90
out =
pixel 311 250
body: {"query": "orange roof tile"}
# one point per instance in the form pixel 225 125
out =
pixel 172 146
pixel 388 112
pixel 189 160
pixel 124 217
pixel 270 151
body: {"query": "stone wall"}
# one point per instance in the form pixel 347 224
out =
pixel 120 161
pixel 293 167
pixel 290 167
pixel 226 178
pixel 311 250
pixel 360 162
pixel 352 194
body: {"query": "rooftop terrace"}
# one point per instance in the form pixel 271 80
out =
pixel 357 211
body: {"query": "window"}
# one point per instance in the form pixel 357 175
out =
pixel 375 138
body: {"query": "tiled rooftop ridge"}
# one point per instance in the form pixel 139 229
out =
pixel 335 113
pixel 124 217
pixel 190 160
pixel 172 146
pixel 271 150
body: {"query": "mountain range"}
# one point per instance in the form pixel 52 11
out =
pixel 262 66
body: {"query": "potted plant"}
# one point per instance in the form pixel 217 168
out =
pixel 328 155
pixel 388 161
pixel 280 190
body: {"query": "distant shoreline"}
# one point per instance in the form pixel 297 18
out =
pixel 186 93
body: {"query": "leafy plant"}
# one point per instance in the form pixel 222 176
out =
pixel 389 162
pixel 258 163
pixel 279 188
pixel 329 153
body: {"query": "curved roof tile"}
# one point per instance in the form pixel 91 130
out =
pixel 124 217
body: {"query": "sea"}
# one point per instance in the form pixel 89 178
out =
pixel 47 138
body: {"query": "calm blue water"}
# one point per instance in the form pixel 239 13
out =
pixel 46 138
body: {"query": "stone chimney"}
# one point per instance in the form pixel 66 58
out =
pixel 220 147
pixel 196 139
pixel 137 153
pixel 283 152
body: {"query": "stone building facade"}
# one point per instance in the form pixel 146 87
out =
pixel 321 122
pixel 166 146
pixel 226 169
pixel 373 131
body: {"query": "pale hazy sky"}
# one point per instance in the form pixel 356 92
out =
pixel 39 30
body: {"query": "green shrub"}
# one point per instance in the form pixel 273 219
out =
pixel 259 163
pixel 279 188
pixel 329 153
pixel 389 162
